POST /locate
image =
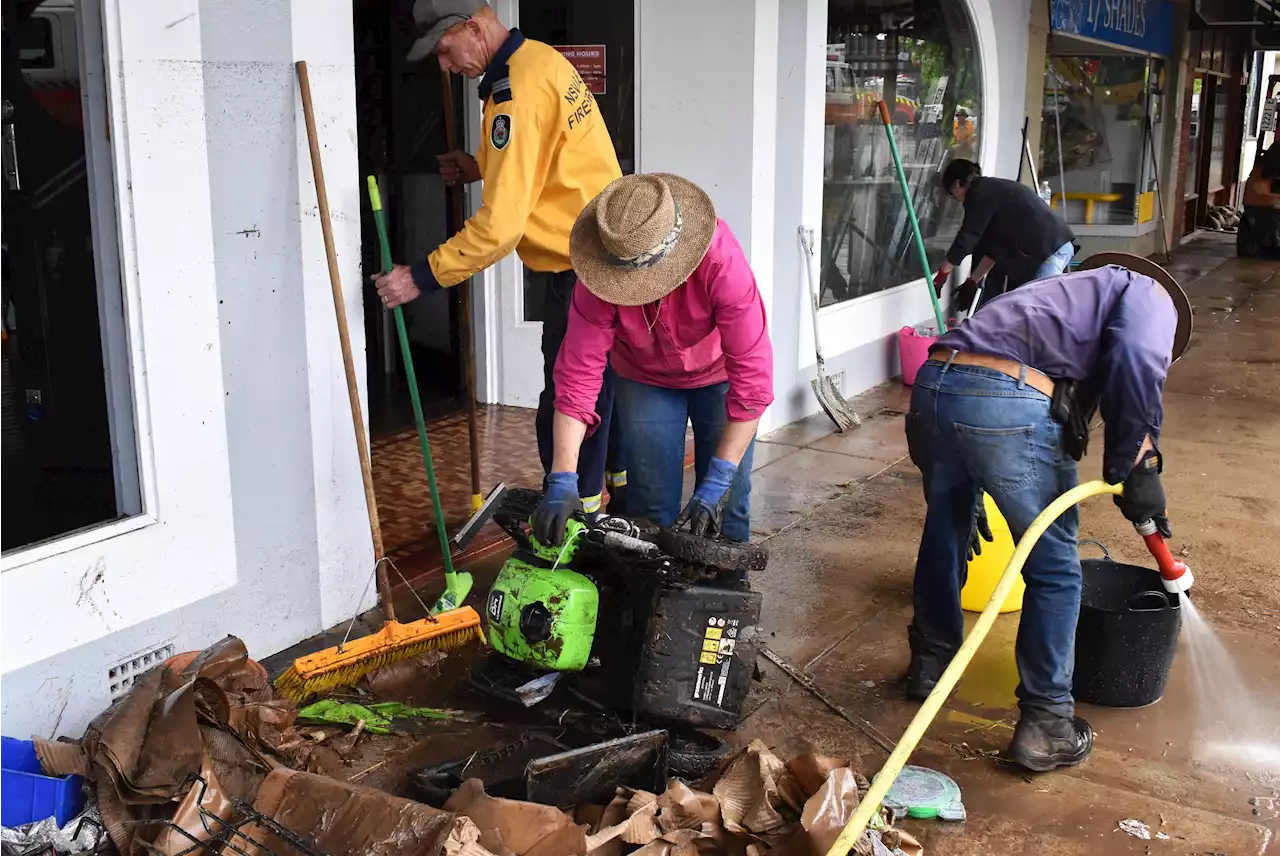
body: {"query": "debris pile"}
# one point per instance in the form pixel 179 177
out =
pixel 758 805
pixel 202 758
pixel 1222 218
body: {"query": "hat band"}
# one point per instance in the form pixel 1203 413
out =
pixel 654 254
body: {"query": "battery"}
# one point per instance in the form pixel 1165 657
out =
pixel 697 655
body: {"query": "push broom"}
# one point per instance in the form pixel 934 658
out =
pixel 446 625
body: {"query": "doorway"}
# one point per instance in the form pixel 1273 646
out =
pixel 599 39
pixel 401 132
pixel 400 106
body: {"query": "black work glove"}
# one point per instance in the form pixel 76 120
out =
pixel 979 530
pixel 705 511
pixel 559 501
pixel 1143 497
pixel 965 292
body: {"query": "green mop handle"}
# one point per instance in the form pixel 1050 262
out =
pixel 380 221
pixel 911 215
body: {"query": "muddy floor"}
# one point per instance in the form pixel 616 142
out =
pixel 842 516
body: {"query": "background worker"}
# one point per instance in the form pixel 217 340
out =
pixel 668 294
pixel 982 418
pixel 545 154
pixel 1011 225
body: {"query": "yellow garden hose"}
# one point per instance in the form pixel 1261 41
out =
pixel 870 804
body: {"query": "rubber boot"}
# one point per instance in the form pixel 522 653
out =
pixel 923 675
pixel 1044 741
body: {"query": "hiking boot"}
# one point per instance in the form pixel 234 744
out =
pixel 923 675
pixel 1044 741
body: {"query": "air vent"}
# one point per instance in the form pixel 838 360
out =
pixel 838 380
pixel 121 676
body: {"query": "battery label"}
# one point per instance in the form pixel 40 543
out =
pixel 715 659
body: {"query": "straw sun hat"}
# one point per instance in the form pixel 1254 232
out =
pixel 641 238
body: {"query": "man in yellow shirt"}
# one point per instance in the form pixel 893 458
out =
pixel 544 154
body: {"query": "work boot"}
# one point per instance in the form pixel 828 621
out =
pixel 1044 741
pixel 923 675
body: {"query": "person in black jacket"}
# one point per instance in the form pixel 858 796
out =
pixel 1008 225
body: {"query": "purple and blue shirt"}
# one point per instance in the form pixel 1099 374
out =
pixel 1109 329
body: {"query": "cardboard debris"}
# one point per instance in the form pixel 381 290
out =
pixel 748 791
pixel 342 819
pixel 210 714
pixel 61 759
pixel 514 828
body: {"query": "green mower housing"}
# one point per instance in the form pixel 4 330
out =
pixel 542 613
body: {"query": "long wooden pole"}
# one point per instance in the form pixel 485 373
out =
pixel 464 299
pixel 344 339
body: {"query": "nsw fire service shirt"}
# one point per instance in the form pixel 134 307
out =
pixel 1110 328
pixel 545 153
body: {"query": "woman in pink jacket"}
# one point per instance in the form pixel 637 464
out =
pixel 669 299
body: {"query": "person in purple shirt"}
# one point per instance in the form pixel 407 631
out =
pixel 984 417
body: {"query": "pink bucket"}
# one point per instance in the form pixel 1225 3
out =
pixel 913 349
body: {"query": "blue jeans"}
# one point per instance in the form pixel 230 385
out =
pixel 1057 262
pixel 971 429
pixel 650 421
pixel 555 323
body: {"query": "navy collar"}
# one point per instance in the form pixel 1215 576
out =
pixel 498 65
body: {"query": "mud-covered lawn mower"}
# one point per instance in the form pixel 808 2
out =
pixel 624 617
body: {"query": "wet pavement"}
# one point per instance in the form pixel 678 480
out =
pixel 842 517
pixel 842 514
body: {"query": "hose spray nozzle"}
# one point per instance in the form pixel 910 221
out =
pixel 1175 573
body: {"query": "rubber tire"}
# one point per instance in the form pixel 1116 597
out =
pixel 693 755
pixel 721 555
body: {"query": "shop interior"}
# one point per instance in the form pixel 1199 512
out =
pixel 60 468
pixel 1101 133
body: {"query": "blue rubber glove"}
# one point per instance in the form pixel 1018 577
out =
pixel 559 501
pixel 705 512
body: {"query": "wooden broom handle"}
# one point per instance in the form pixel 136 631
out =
pixel 464 295
pixel 344 337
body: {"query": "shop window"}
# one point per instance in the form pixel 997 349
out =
pixel 1218 137
pixel 1194 128
pixel 1094 135
pixel 600 42
pixel 69 453
pixel 920 58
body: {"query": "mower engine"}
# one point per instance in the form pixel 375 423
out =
pixel 653 621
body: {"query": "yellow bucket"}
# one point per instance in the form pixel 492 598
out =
pixel 985 570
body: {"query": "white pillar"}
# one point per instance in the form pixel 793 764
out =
pixel 708 109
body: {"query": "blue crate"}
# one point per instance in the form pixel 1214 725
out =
pixel 27 794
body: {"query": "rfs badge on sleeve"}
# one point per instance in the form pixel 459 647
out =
pixel 500 132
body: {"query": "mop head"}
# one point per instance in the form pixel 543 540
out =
pixel 343 665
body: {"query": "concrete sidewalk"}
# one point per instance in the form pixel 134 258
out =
pixel 842 516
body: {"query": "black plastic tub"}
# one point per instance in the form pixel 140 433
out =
pixel 1126 635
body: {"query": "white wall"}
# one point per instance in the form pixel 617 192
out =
pixel 708 107
pixel 254 519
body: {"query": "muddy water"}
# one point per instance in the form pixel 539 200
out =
pixel 1233 727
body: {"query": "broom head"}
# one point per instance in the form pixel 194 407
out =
pixel 343 665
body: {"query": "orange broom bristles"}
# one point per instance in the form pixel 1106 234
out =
pixel 343 665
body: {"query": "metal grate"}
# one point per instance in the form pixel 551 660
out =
pixel 121 676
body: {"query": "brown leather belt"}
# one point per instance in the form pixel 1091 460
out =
pixel 1036 379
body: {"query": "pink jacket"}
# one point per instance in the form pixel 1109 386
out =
pixel 710 329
